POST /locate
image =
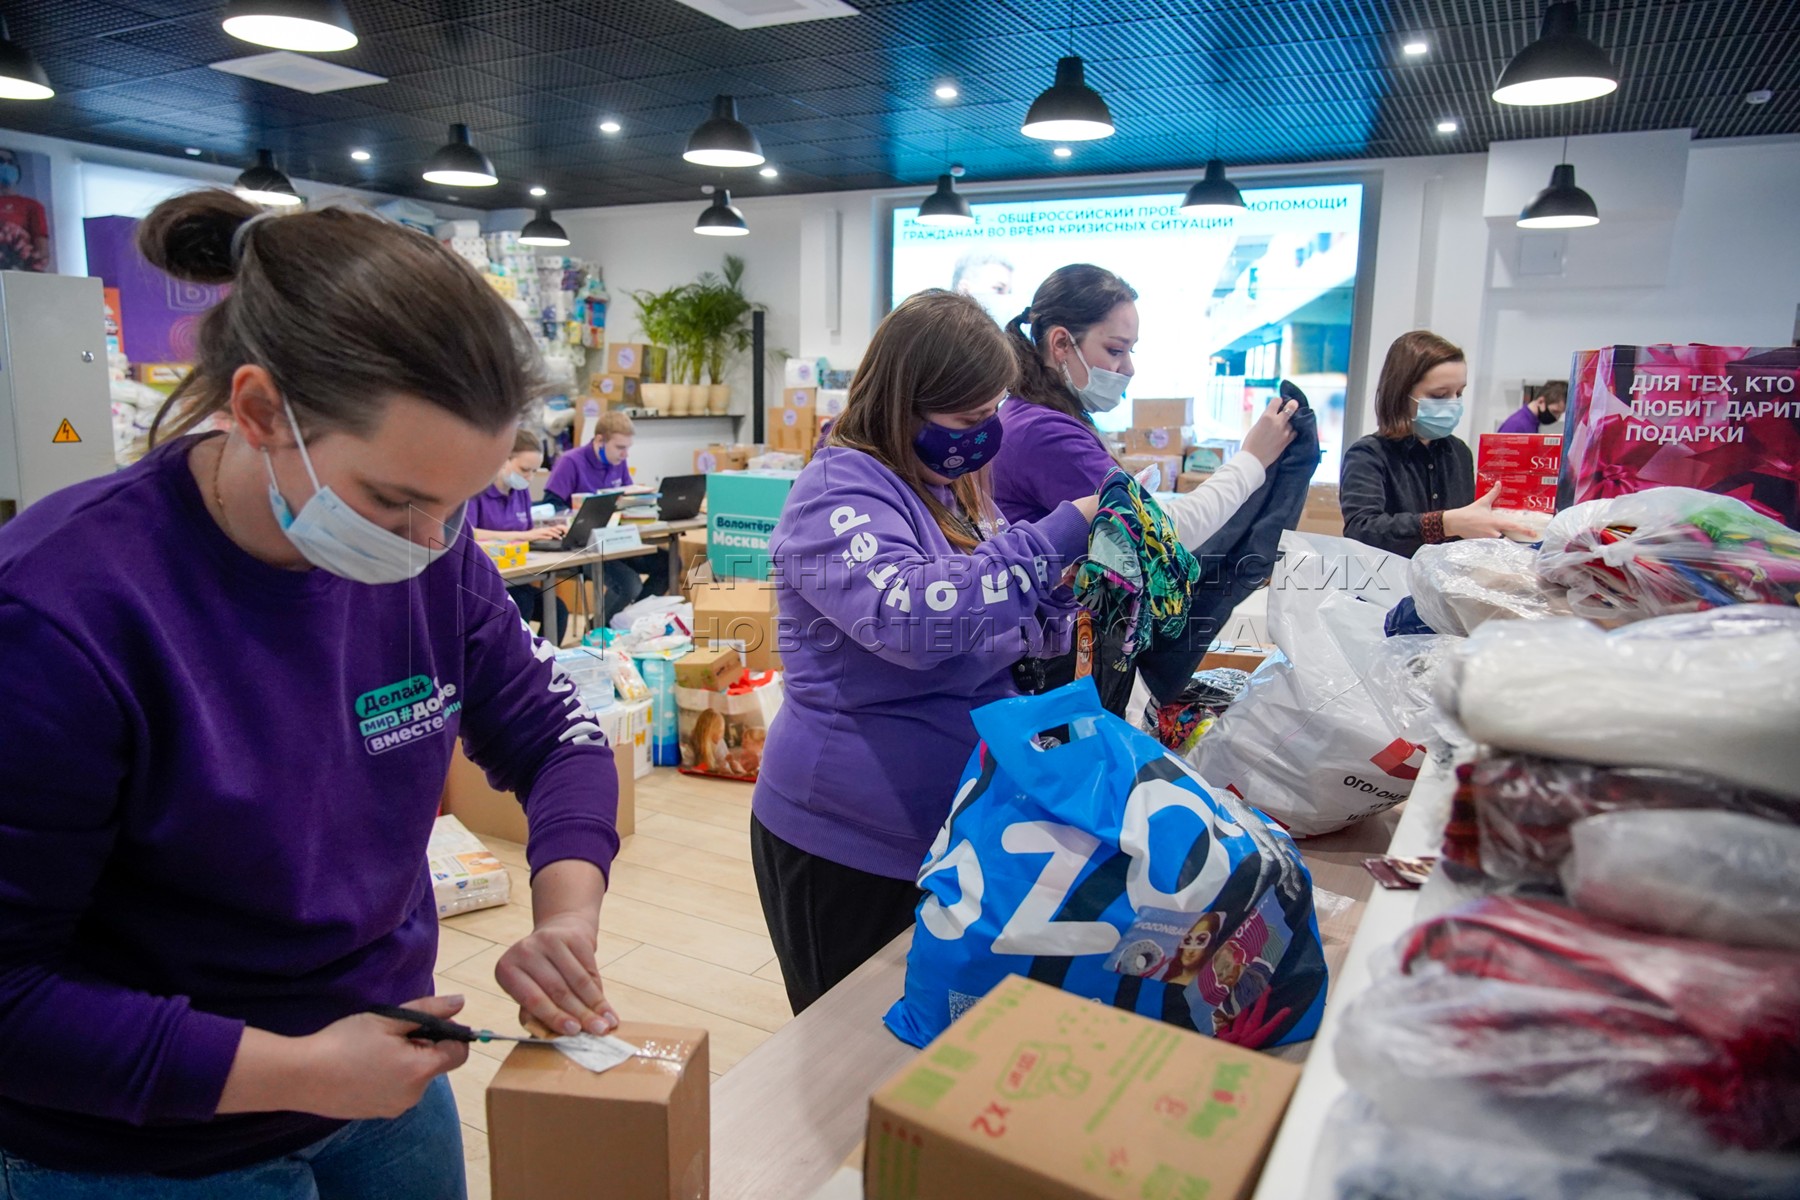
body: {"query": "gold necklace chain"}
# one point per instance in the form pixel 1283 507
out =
pixel 218 495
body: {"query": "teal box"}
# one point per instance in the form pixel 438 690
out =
pixel 742 508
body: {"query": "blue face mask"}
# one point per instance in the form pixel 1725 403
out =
pixel 1437 418
pixel 9 174
pixel 953 453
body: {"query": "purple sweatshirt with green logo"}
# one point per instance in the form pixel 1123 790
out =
pixel 217 779
pixel 888 639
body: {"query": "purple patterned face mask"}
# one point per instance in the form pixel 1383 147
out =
pixel 955 452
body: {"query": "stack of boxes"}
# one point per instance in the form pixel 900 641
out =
pixel 1523 465
pixel 720 457
pixel 506 555
pixel 794 419
pixel 628 366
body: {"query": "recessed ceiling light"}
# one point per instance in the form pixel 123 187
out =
pixel 1759 96
pixel 191 151
pixel 946 91
pixel 1446 126
pixel 769 172
pixel 361 155
pixel 1415 49
pixel 1062 152
pixel 610 127
pixel 538 191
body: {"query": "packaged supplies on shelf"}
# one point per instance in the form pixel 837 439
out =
pixel 1457 586
pixel 834 380
pixel 464 875
pixel 1038 833
pixel 639 1131
pixel 658 670
pixel 1163 439
pixel 709 667
pixel 1718 876
pixel 800 373
pixel 507 555
pixel 628 358
pixel 616 391
pixel 627 728
pixel 1527 806
pixel 1147 413
pixel 723 733
pixel 1529 1022
pixel 718 457
pixel 1669 550
pixel 1039 1093
pixel 588 669
pixel 161 377
pixel 1713 692
pixel 778 460
pixel 831 402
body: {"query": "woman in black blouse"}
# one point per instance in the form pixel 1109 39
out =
pixel 1413 481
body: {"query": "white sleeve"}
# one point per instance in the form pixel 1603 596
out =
pixel 1203 512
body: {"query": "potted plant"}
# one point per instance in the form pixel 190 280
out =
pixel 660 322
pixel 721 317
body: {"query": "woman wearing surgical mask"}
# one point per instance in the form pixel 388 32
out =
pixel 234 675
pixel 904 599
pixel 1412 482
pixel 502 513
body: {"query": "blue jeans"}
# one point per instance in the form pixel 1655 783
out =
pixel 416 1156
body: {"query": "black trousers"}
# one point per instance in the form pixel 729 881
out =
pixel 825 919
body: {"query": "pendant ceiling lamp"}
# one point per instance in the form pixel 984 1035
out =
pixel 1562 205
pixel 1213 196
pixel 306 25
pixel 1562 66
pixel 265 184
pixel 1070 111
pixel 722 140
pixel 458 163
pixel 542 230
pixel 946 206
pixel 21 76
pixel 721 218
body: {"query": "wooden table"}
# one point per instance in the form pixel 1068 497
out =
pixel 539 563
pixel 788 1116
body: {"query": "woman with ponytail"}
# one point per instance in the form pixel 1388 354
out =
pixel 235 671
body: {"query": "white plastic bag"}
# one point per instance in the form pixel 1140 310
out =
pixel 1457 586
pixel 1717 876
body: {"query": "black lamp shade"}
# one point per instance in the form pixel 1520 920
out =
pixel 945 206
pixel 722 140
pixel 265 184
pixel 541 230
pixel 458 163
pixel 1562 205
pixel 306 25
pixel 721 218
pixel 1070 111
pixel 1213 196
pixel 21 76
pixel 1562 66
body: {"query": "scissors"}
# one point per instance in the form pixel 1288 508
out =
pixel 438 1029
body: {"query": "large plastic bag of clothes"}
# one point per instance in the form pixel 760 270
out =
pixel 1718 876
pixel 1457 586
pixel 1529 1022
pixel 1309 743
pixel 1526 807
pixel 1669 550
pixel 1180 724
pixel 1714 692
pixel 1104 866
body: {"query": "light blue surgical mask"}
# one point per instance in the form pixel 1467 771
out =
pixel 1104 389
pixel 335 537
pixel 9 174
pixel 1437 418
pixel 517 482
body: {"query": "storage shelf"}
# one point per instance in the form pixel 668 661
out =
pixel 693 417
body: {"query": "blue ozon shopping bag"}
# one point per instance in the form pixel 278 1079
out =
pixel 1105 866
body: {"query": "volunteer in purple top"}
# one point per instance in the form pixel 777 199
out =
pixel 595 467
pixel 235 672
pixel 1546 407
pixel 502 513
pixel 1076 361
pixel 904 599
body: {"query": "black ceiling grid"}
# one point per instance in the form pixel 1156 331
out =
pixel 847 103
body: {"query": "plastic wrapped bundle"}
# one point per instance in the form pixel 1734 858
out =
pixel 1718 876
pixel 1714 692
pixel 1183 721
pixel 1531 1023
pixel 1669 550
pixel 1457 586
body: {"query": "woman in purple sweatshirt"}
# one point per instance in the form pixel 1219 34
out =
pixel 234 674
pixel 905 599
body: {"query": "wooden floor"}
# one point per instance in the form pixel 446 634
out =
pixel 682 939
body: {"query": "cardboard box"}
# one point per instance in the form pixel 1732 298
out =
pixel 628 358
pixel 793 430
pixel 717 457
pixel 800 373
pixel 161 377
pixel 1152 413
pixel 1236 657
pixel 740 613
pixel 799 397
pixel 1321 513
pixel 641 1131
pixel 1209 455
pixel 1535 493
pixel 488 813
pixel 709 667
pixel 1187 481
pixel 1037 1092
pixel 1163 439
pixel 465 875
pixel 692 547
pixel 616 391
pixel 1518 453
pixel 742 509
pixel 1170 464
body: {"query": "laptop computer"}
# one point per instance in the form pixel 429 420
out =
pixel 682 496
pixel 596 512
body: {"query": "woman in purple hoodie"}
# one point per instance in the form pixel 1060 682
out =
pixel 905 599
pixel 234 673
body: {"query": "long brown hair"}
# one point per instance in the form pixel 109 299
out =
pixel 345 310
pixel 1076 298
pixel 1412 357
pixel 937 353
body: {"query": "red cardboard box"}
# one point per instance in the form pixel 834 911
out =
pixel 1525 465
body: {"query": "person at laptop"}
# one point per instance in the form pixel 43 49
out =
pixel 502 513
pixel 595 467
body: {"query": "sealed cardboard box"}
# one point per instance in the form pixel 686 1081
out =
pixel 1036 1092
pixel 800 397
pixel 793 430
pixel 709 667
pixel 641 1131
pixel 628 358
pixel 1154 413
pixel 1524 466
pixel 493 814
pixel 465 875
pixel 1187 481
pixel 717 457
pixel 616 391
pixel 1163 439
pixel 742 509
pixel 692 547
pixel 1170 465
pixel 739 613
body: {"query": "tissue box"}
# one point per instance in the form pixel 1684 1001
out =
pixel 800 373
pixel 464 875
pixel 640 1131
pixel 831 403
